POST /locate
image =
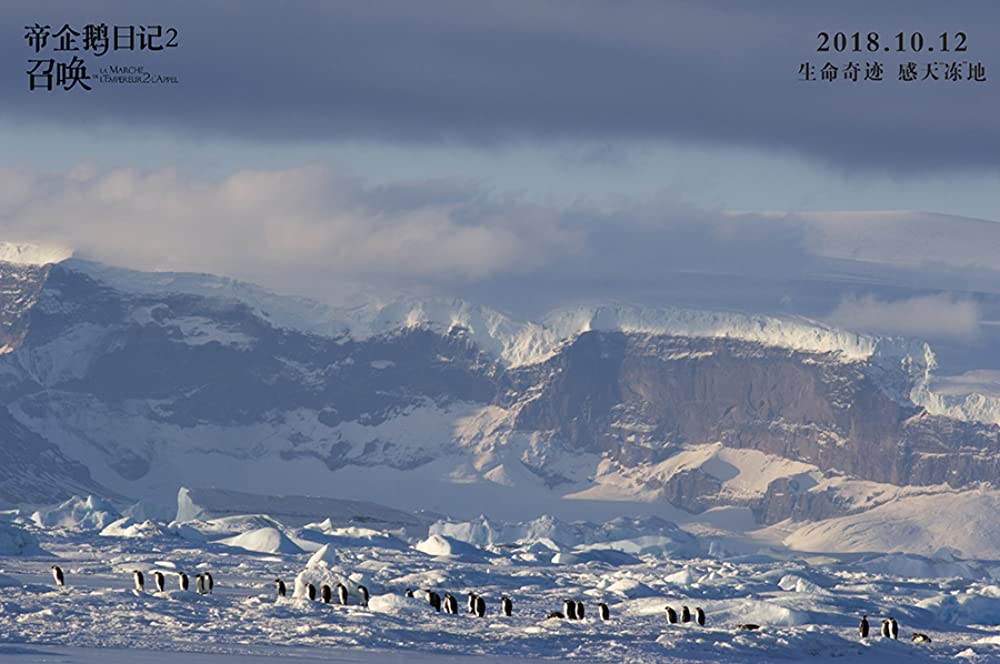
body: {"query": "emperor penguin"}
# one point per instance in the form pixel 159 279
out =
pixel 671 615
pixel 685 614
pixel 363 591
pixel 450 603
pixel 325 593
pixel 182 580
pixel 434 600
pixel 885 629
pixel 893 628
pixel 209 582
pixel 57 574
pixel 506 606
pixel 471 602
pixel 569 608
pixel 158 578
pixel 920 637
pixel 409 592
pixel 863 627
pixel 480 606
pixel 604 611
pixel 311 592
pixel 282 591
pixel 342 594
pixel 748 626
pixel 138 579
pixel 579 610
pixel 555 614
pixel 699 616
pixel 199 584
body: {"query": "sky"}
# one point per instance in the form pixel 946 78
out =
pixel 528 153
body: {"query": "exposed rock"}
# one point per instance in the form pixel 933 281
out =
pixel 100 380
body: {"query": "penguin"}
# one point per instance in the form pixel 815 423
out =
pixel 893 628
pixel 480 606
pixel 919 637
pixel 209 582
pixel 699 616
pixel 863 627
pixel 342 594
pixel 434 600
pixel 579 610
pixel 57 574
pixel 409 593
pixel 281 587
pixel 569 608
pixel 311 592
pixel 182 580
pixel 450 604
pixel 158 578
pixel 138 578
pixel 885 629
pixel 685 614
pixel 671 615
pixel 364 596
pixel 471 603
pixel 605 611
pixel 506 606
pixel 748 626
pixel 325 593
pixel 555 614
pixel 199 582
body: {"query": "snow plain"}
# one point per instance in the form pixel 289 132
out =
pixel 808 605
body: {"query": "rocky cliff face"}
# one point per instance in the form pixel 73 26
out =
pixel 144 389
pixel 640 398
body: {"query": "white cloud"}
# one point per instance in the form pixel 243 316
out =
pixel 315 231
pixel 308 220
pixel 926 316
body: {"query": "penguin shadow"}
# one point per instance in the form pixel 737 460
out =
pixel 44 590
pixel 302 605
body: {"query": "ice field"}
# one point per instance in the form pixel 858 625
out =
pixel 807 606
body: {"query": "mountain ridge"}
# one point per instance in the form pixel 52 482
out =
pixel 195 380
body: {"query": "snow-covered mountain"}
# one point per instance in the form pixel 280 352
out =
pixel 132 384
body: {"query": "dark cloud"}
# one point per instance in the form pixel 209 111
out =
pixel 491 73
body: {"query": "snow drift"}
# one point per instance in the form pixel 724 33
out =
pixel 129 528
pixel 262 540
pixel 918 524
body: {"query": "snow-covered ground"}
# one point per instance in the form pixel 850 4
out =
pixel 808 605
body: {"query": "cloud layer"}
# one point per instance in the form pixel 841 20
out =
pixel 314 231
pixel 308 220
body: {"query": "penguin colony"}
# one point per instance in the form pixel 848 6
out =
pixel 204 586
pixel 573 609
pixel 685 616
